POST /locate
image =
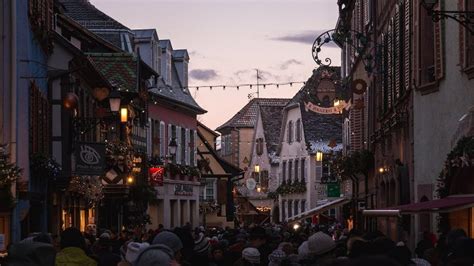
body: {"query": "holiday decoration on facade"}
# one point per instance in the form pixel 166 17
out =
pixel 89 187
pixel 9 173
pixel 296 187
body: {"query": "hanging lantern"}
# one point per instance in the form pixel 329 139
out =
pixel 319 156
pixel 71 101
pixel 123 114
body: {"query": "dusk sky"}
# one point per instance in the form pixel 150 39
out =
pixel 229 39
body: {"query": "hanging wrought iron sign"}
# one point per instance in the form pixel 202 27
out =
pixel 90 158
pixel 363 46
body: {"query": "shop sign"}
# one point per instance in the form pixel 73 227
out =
pixel 156 176
pixel 334 190
pixel 183 189
pixel 90 158
pixel 309 106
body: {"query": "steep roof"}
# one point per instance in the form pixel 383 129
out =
pixel 145 33
pixel 181 54
pixel 247 116
pixel 271 121
pixel 319 127
pixel 120 69
pixel 104 26
pixel 89 16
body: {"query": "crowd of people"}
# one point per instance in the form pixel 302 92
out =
pixel 273 245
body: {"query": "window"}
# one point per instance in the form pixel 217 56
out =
pixel 426 48
pixel 283 210
pixel 298 130
pixel 290 208
pixel 296 170
pixel 207 193
pixel 468 42
pixel 259 146
pixel 290 171
pixel 264 178
pixel 303 170
pixel 283 171
pixel 296 207
pixel 303 205
pixel 162 138
pixel 40 122
pixel 155 133
pixel 290 132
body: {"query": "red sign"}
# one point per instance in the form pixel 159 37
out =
pixel 156 176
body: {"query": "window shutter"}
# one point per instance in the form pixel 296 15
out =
pixel 188 147
pixel 149 137
pixel 178 149
pixel 162 139
pixel 195 148
pixel 390 65
pixel 439 48
pixel 170 136
pixel 406 45
pixel 397 54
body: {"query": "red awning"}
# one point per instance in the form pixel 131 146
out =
pixel 447 204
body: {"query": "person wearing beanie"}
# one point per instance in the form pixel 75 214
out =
pixel 72 249
pixel 250 256
pixel 133 250
pixel 157 254
pixel 201 250
pixel 318 247
pixel 258 240
pixel 172 241
pixel 276 257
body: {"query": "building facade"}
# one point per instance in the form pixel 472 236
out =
pixel 263 168
pixel 311 136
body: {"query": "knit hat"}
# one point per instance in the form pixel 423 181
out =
pixel 277 256
pixel 201 245
pixel 251 255
pixel 155 255
pixel 168 239
pixel 134 249
pixel 320 244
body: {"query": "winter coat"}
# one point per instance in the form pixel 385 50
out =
pixel 73 256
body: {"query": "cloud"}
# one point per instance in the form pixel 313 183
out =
pixel 203 74
pixel 290 62
pixel 305 37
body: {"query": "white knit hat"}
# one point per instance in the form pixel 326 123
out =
pixel 251 255
pixel 134 249
pixel 320 243
pixel 201 245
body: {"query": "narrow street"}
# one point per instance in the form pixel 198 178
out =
pixel 244 132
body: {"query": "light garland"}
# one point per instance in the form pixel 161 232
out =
pixel 237 87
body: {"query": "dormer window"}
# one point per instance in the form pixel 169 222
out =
pixel 259 146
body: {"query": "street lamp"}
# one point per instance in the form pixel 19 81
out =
pixel 172 147
pixel 114 101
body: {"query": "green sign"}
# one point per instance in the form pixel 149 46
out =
pixel 334 190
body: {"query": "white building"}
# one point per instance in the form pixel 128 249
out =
pixel 308 129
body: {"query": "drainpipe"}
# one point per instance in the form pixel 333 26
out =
pixel 13 104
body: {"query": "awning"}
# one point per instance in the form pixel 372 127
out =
pixel 448 204
pixel 319 209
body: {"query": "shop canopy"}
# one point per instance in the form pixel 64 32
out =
pixel 447 204
pixel 319 209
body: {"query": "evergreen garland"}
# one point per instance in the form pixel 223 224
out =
pixel 9 172
pixel 461 156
